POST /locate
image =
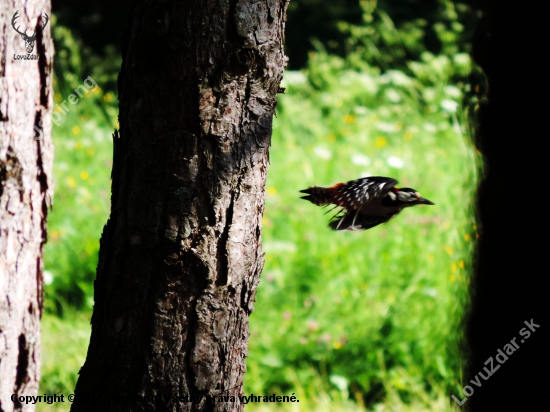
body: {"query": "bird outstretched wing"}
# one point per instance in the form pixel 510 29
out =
pixel 351 197
pixel 356 193
pixel 352 222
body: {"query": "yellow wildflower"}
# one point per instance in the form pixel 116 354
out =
pixel 380 142
pixel 350 118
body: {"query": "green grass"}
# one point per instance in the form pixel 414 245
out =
pixel 64 346
pixel 346 321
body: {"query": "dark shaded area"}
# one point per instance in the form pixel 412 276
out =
pixel 508 287
pixel 313 19
pixel 100 24
pixel 22 362
pixel 97 22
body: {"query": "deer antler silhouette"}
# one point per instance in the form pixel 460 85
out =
pixel 29 40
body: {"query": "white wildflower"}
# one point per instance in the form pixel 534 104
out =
pixel 322 152
pixel 449 105
pixel 360 160
pixel 396 162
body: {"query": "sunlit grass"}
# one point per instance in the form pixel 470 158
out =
pixel 64 346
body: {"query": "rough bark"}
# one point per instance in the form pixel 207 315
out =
pixel 180 256
pixel 26 155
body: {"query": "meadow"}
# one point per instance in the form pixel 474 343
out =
pixel 346 321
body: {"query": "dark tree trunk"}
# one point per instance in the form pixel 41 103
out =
pixel 510 278
pixel 181 256
pixel 26 155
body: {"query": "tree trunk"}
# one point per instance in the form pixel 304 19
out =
pixel 181 256
pixel 509 284
pixel 26 155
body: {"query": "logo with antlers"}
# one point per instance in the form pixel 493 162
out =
pixel 29 40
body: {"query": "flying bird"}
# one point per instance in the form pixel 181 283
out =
pixel 364 203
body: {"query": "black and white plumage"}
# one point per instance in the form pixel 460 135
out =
pixel 365 202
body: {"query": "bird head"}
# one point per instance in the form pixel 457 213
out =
pixel 410 197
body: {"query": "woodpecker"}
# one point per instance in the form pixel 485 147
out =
pixel 365 203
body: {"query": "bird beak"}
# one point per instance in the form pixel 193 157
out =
pixel 422 201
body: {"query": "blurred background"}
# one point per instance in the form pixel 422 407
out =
pixel 345 321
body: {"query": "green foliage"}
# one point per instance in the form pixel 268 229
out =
pixel 440 27
pixel 75 61
pixel 368 319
